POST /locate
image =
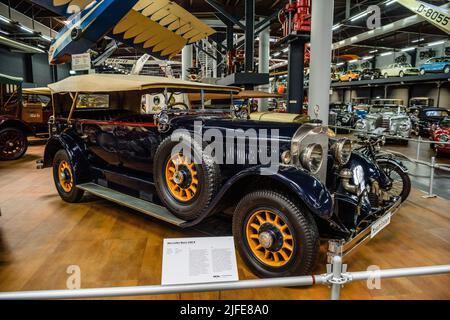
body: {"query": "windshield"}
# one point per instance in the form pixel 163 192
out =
pixel 390 109
pixel 436 113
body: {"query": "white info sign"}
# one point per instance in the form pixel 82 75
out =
pixel 199 260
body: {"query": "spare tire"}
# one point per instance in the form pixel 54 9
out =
pixel 186 187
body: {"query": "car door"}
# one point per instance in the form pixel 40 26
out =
pixel 100 140
pixel 137 140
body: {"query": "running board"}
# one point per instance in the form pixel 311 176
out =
pixel 137 204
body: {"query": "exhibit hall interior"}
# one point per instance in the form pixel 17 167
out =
pixel 264 152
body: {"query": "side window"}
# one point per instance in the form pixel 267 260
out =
pixel 93 101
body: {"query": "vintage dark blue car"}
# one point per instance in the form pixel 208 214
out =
pixel 117 137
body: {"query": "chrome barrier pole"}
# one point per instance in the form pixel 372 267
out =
pixel 432 167
pixel 336 279
pixel 418 148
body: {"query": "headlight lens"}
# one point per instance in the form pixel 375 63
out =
pixel 360 125
pixel 342 151
pixel 312 158
pixel 286 157
pixel 404 126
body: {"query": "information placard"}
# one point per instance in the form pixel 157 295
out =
pixel 199 260
pixel 81 62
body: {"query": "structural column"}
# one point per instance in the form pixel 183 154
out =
pixel 263 64
pixel 249 34
pixel 320 63
pixel 186 61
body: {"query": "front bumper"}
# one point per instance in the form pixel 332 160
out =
pixel 344 248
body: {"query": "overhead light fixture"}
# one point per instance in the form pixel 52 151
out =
pixel 20 45
pixel 4 32
pixel 367 58
pixel 340 64
pixel 391 2
pixel 384 54
pixel 359 16
pixel 431 44
pixel 26 29
pixel 373 51
pixel 408 49
pixel 286 49
pixel 276 54
pixel 353 61
pixel 336 26
pixel 4 19
pixel 418 40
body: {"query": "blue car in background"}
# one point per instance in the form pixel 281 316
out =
pixel 441 64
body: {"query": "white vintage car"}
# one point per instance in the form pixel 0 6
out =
pixel 400 70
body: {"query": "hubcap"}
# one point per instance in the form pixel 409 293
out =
pixel 269 238
pixel 266 239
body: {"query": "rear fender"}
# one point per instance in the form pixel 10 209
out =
pixel 77 154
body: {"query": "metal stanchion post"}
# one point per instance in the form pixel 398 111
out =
pixel 336 268
pixel 418 148
pixel 433 165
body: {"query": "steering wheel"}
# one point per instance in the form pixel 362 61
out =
pixel 179 106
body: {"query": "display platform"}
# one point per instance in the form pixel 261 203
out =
pixel 41 236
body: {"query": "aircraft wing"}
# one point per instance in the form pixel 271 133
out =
pixel 157 27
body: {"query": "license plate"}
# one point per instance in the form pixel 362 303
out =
pixel 380 224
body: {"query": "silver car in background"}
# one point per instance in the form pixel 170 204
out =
pixel 391 117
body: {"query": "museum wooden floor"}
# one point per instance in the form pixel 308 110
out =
pixel 40 236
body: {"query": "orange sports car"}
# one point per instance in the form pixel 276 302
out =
pixel 350 75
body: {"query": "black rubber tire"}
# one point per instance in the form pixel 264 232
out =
pixel 401 74
pixel 22 137
pixel 301 223
pixel 208 177
pixel 404 176
pixel 446 69
pixel 75 194
pixel 386 76
pixel 422 72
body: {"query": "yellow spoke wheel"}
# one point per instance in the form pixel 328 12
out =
pixel 181 178
pixel 269 238
pixel 65 176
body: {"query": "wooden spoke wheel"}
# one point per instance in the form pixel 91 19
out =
pixel 65 176
pixel 13 144
pixel 275 235
pixel 181 178
pixel 270 238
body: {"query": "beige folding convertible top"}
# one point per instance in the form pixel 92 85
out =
pixel 113 82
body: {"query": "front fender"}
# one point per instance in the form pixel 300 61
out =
pixel 76 151
pixel 313 193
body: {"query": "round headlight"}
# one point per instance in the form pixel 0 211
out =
pixel 404 126
pixel 286 157
pixel 342 151
pixel 312 158
pixel 360 125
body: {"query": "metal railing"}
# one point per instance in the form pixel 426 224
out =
pixel 336 277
